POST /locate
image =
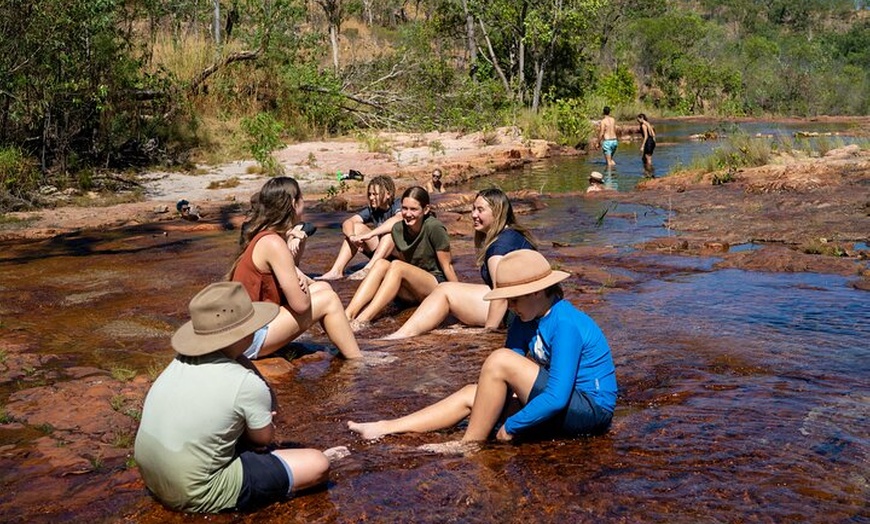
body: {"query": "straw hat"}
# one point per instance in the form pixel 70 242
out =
pixel 523 272
pixel 595 175
pixel 221 315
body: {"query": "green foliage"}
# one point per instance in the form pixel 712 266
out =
pixel 332 191
pixel 618 88
pixel 264 136
pixel 123 374
pixel 569 118
pixel 19 181
pixel 738 150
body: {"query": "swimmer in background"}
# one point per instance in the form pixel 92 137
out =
pixel 607 136
pixel 434 185
pixel 649 143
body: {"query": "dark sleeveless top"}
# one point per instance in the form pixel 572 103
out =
pixel 261 287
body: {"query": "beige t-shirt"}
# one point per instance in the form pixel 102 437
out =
pixel 194 414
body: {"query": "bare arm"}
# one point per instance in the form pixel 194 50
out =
pixel 497 308
pixel 445 260
pixel 262 436
pixel 272 251
pixel 382 229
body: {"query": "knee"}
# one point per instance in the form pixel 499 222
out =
pixel 329 299
pixel 382 265
pixel 497 362
pixel 441 292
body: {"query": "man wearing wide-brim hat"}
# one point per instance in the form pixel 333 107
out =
pixel 206 414
pixel 555 373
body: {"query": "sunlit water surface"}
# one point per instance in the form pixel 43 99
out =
pixel 745 397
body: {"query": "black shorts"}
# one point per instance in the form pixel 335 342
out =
pixel 581 417
pixel 649 146
pixel 265 479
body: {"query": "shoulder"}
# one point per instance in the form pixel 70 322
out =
pixel 433 224
pixel 508 240
pixel 270 239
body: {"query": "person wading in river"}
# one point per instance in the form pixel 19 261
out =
pixel 555 373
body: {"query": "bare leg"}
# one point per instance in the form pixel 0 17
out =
pixel 462 300
pixel 327 309
pixel 502 369
pixel 345 254
pixel 381 249
pixel 445 413
pixel 282 329
pixel 310 467
pixel 401 276
pixel 367 289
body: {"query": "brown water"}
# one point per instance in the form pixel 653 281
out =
pixel 744 396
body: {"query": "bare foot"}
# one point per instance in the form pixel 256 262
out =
pixel 336 453
pixel 359 275
pixel 367 430
pixel 453 447
pixel 395 336
pixel 330 275
pixel 357 325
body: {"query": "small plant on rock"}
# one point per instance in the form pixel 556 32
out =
pixel 123 374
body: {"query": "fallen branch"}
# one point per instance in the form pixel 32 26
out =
pixel 204 75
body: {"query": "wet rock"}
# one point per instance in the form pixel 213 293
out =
pixel 273 368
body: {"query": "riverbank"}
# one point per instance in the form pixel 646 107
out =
pixel 221 191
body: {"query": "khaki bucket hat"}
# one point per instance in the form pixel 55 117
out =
pixel 221 315
pixel 523 272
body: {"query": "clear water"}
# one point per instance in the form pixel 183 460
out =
pixel 744 396
pixel 674 149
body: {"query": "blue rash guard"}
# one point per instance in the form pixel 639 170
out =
pixel 571 346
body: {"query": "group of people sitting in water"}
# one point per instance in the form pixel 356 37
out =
pixel 204 438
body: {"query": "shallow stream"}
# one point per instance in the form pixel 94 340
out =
pixel 744 397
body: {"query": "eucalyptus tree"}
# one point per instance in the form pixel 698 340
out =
pixel 522 38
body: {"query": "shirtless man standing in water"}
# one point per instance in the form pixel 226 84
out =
pixel 607 136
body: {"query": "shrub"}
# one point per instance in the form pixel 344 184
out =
pixel 264 136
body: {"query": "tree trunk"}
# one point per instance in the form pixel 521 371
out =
pixel 539 81
pixel 494 60
pixel 217 22
pixel 333 39
pixel 471 41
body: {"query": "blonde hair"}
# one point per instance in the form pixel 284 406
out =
pixel 503 218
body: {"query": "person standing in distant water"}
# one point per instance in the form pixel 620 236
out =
pixel 607 136
pixel 649 142
pixel 435 185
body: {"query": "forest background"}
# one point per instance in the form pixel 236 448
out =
pixel 92 88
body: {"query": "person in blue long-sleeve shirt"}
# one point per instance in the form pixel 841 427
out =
pixel 556 363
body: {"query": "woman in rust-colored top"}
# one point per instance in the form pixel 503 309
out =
pixel 267 269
